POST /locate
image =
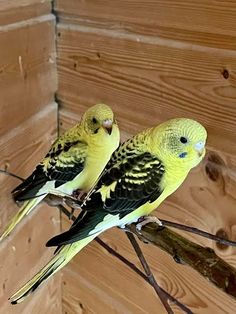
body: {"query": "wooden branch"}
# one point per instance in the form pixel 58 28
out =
pixel 203 259
pixel 199 232
pixel 162 295
pixel 10 174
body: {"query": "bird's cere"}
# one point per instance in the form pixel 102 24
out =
pixel 199 146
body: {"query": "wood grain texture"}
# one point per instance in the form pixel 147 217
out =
pixel 14 5
pixel 22 254
pixel 21 150
pixel 27 69
pixel 13 15
pixel 155 81
pixel 28 124
pixel 209 23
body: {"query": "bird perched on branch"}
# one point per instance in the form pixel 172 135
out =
pixel 142 172
pixel 74 162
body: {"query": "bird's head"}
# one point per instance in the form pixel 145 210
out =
pixel 99 119
pixel 182 141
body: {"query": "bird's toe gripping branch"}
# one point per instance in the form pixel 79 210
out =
pixel 144 220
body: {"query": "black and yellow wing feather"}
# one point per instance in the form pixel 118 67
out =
pixel 63 163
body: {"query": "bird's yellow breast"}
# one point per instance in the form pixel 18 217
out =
pixel 99 152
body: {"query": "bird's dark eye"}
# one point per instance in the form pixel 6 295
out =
pixel 94 120
pixel 183 140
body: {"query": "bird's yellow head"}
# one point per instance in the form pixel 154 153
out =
pixel 99 119
pixel 181 141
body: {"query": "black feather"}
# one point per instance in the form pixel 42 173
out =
pixel 56 171
pixel 29 188
pixel 79 230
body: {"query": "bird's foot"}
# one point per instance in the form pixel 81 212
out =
pixel 79 195
pixel 144 220
pixel 72 203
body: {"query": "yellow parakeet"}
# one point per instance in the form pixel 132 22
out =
pixel 142 172
pixel 74 162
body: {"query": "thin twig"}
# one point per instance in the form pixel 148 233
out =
pixel 162 296
pixel 12 175
pixel 199 232
pixel 140 273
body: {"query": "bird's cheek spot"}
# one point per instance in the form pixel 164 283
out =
pixel 183 155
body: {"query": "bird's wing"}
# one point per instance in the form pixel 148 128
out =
pixel 125 186
pixel 64 161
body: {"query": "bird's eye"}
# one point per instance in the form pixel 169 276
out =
pixel 183 140
pixel 94 120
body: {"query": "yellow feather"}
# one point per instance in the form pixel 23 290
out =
pixel 24 210
pixel 106 191
pixel 63 257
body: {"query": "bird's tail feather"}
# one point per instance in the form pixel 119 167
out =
pixel 25 209
pixel 63 256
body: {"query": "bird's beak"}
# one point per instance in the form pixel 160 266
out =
pixel 107 125
pixel 200 148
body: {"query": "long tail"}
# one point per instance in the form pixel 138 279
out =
pixel 25 209
pixel 63 256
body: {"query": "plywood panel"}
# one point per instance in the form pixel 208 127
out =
pixel 20 151
pixel 209 23
pixel 28 124
pixel 21 13
pixel 22 254
pixel 154 81
pixel 27 69
pixel 12 4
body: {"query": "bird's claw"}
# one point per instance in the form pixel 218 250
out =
pixel 145 220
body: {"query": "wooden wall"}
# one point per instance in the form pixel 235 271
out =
pixel 28 124
pixel 153 60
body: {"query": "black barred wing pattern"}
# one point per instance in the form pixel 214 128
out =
pixel 127 184
pixel 62 163
pixel 65 161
